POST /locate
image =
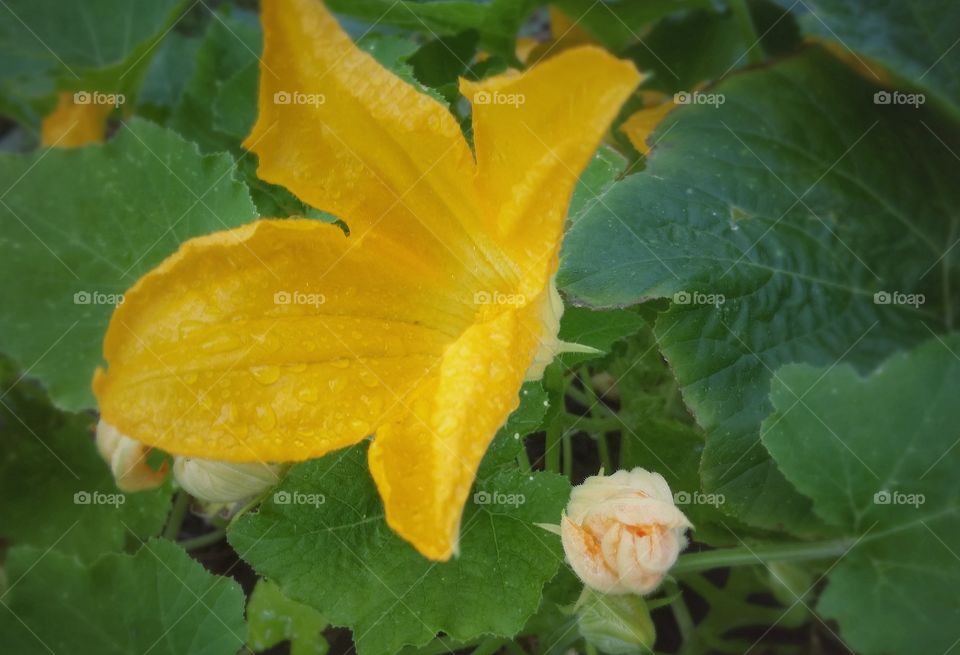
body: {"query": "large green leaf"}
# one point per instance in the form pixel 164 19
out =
pixel 79 227
pixel 54 488
pixel 878 456
pixel 157 601
pixel 335 552
pixel 797 199
pixel 915 40
pixel 94 45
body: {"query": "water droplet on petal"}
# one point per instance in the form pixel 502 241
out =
pixel 265 374
pixel 359 425
pixel 265 418
pixel 222 342
pixel 308 395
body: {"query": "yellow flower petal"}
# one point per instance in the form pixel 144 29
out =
pixel 533 134
pixel 425 464
pixel 278 341
pixel 642 124
pixel 351 138
pixel 71 125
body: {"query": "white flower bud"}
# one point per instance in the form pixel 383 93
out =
pixel 224 482
pixel 127 459
pixel 622 533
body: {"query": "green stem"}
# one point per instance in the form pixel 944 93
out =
pixel 567 440
pixel 747 30
pixel 523 459
pixel 744 556
pixel 551 457
pixel 606 461
pixel 203 540
pixel 181 503
pixel 680 611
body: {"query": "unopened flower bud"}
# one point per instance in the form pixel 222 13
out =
pixel 127 459
pixel 224 482
pixel 622 533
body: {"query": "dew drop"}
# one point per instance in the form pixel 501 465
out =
pixel 222 342
pixel 308 395
pixel 359 425
pixel 265 418
pixel 369 379
pixel 265 374
pixel 187 328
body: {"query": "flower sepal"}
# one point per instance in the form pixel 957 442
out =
pixel 615 624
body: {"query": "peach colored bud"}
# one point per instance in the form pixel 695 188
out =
pixel 224 482
pixel 127 459
pixel 622 532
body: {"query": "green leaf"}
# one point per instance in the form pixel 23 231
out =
pixel 665 54
pixel 170 68
pixel 95 45
pixel 600 330
pixel 230 47
pixel 444 60
pixel 157 601
pixel 436 18
pixel 795 208
pixel 914 40
pixel 55 490
pixel 497 22
pixel 619 23
pixel 527 418
pixel 877 456
pixel 602 171
pixel 339 556
pixel 81 226
pixel 274 618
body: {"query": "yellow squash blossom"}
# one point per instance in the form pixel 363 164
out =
pixel 642 123
pixel 72 124
pixel 284 340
